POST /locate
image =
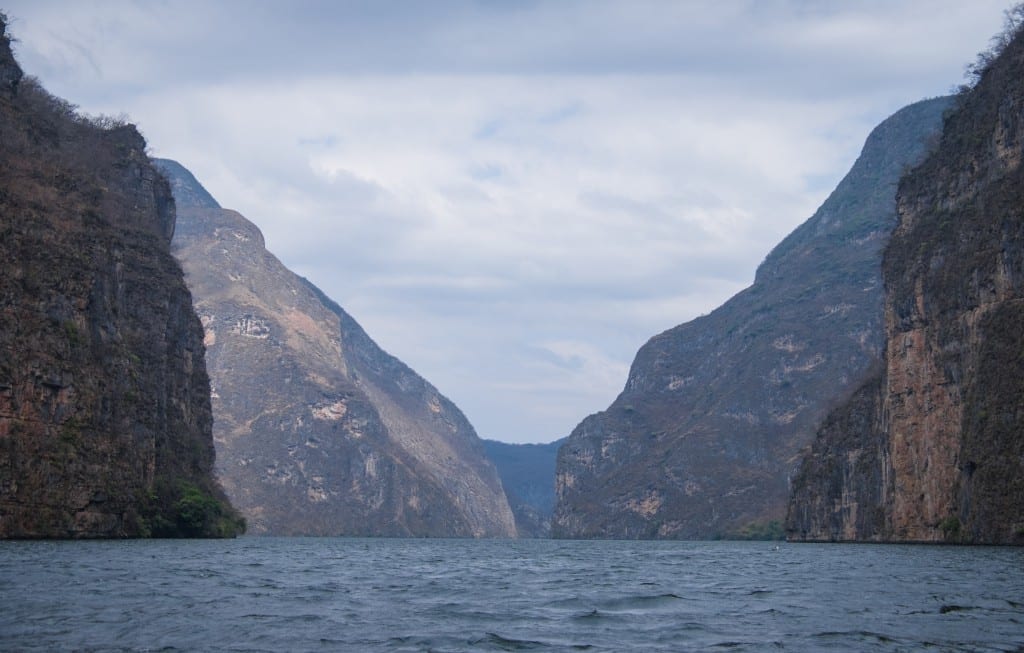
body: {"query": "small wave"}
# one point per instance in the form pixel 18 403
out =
pixel 508 644
pixel 259 617
pixel 732 645
pixel 954 608
pixel 595 615
pixel 403 640
pixel 865 634
pixel 654 598
pixel 567 602
pixel 642 601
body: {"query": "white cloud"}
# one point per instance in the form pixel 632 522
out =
pixel 511 199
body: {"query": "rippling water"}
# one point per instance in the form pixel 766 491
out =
pixel 278 594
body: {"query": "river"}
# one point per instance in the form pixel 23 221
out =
pixel 335 594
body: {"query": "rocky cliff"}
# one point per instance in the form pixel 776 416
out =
pixel 105 423
pixel 319 431
pixel 932 448
pixel 703 439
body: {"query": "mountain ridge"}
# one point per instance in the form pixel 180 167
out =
pixel 703 438
pixel 930 449
pixel 343 438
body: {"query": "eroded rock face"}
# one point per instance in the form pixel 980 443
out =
pixel 319 431
pixel 707 432
pixel 105 423
pixel 940 454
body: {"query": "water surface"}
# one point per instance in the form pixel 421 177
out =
pixel 283 594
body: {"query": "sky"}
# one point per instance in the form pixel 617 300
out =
pixel 511 197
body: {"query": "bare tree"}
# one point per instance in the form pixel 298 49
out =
pixel 1013 23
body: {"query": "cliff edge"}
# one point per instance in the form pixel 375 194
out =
pixel 105 422
pixel 932 448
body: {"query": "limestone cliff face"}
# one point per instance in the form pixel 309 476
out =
pixel 934 447
pixel 319 431
pixel 105 422
pixel 703 439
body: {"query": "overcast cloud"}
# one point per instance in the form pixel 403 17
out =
pixel 511 197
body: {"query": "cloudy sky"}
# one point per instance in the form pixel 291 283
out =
pixel 511 197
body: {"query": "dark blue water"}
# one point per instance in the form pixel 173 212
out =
pixel 277 594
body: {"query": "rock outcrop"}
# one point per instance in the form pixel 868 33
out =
pixel 319 431
pixel 105 422
pixel 703 439
pixel 932 448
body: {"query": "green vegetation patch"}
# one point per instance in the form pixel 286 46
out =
pixel 183 509
pixel 950 527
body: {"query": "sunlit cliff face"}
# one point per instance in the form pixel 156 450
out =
pixel 318 431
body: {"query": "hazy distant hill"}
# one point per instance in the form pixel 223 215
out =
pixel 932 449
pixel 705 436
pixel 319 431
pixel 527 473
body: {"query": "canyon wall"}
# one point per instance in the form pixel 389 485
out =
pixel 932 449
pixel 105 421
pixel 705 436
pixel 318 430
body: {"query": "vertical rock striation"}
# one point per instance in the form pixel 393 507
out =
pixel 105 422
pixel 703 439
pixel 932 449
pixel 319 431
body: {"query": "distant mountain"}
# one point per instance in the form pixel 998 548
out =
pixel 527 473
pixel 932 447
pixel 702 441
pixel 319 431
pixel 105 424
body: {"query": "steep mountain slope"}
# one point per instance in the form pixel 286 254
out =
pixel 704 437
pixel 105 423
pixel 527 473
pixel 932 449
pixel 319 431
